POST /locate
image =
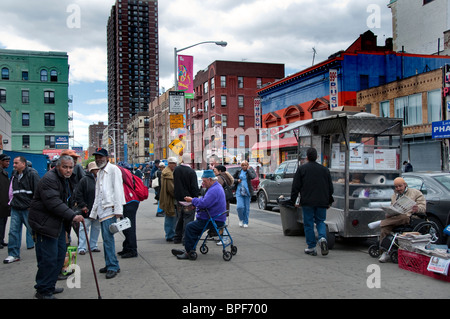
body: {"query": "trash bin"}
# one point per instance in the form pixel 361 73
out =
pixel 290 218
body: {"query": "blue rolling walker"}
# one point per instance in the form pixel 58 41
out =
pixel 227 255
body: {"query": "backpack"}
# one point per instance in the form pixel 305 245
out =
pixel 227 189
pixel 133 186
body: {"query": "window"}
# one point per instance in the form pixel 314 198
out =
pixel 53 76
pixel 434 106
pixel 384 109
pixel 205 108
pixel 49 119
pixel 223 81
pixel 241 101
pixel 224 120
pixel 241 121
pixel 5 74
pixel 2 96
pixel 205 87
pixel 25 141
pixel 206 124
pixel 24 75
pixel 241 140
pixel 212 83
pixel 25 96
pixel 49 97
pixel 409 108
pixel 213 102
pixel 363 81
pixel 223 100
pixel 50 141
pixel 258 83
pixel 44 76
pixel 240 82
pixel 25 119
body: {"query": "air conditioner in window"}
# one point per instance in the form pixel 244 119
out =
pixel 26 146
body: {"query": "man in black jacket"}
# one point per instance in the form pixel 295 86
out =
pixel 50 218
pixel 185 184
pixel 5 209
pixel 24 184
pixel 313 183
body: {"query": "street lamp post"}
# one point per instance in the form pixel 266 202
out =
pixel 175 51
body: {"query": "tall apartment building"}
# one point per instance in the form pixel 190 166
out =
pixel 133 63
pixel 95 136
pixel 34 90
pixel 225 94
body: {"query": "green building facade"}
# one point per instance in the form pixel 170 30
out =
pixel 34 89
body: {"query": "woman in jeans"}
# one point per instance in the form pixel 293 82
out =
pixel 244 190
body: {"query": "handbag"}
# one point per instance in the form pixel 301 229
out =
pixel 155 182
pixel 227 189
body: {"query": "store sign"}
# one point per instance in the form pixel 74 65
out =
pixel 334 90
pixel 440 129
pixel 257 107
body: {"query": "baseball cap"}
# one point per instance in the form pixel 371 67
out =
pixel 101 152
pixel 4 157
pixel 71 153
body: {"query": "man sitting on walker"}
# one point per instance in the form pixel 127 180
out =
pixel 213 201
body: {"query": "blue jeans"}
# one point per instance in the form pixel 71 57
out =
pixel 50 255
pixel 194 231
pixel 109 247
pixel 243 207
pixel 18 217
pixel 94 226
pixel 169 226
pixel 313 215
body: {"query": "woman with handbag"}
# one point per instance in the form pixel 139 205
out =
pixel 244 190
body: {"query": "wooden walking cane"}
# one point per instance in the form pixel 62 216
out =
pixel 92 260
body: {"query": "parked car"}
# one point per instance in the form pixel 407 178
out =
pixel 436 189
pixel 276 184
pixel 255 182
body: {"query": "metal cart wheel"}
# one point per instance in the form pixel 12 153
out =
pixel 227 255
pixel 204 249
pixel 374 251
pixel 233 250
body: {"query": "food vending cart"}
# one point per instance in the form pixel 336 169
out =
pixel 363 153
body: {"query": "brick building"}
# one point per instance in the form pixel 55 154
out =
pixel 418 100
pixel 223 107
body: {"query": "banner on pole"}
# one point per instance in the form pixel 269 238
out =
pixel 186 75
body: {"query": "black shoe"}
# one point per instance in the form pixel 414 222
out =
pixel 177 252
pixel 129 255
pixel 48 296
pixel 323 246
pixel 111 274
pixel 104 270
pixel 184 255
pixel 58 291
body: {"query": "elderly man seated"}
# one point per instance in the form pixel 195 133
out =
pixel 388 224
pixel 213 201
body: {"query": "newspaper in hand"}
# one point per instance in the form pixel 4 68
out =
pixel 402 206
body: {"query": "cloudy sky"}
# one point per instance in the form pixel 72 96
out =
pixel 283 31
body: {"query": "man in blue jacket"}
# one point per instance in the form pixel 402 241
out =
pixel 213 201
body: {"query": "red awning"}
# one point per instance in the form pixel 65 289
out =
pixel 276 144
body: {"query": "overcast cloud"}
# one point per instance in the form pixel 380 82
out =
pixel 283 31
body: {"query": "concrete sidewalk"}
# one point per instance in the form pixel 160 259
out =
pixel 268 265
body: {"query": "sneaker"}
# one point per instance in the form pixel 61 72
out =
pixel 384 257
pixel 323 246
pixel 245 225
pixel 241 223
pixel 10 259
pixel 311 251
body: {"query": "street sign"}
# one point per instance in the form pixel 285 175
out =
pixel 177 146
pixel 176 121
pixel 440 129
pixel 176 102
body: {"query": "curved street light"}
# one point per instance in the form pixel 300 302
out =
pixel 175 51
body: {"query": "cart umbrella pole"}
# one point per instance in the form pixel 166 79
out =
pixel 92 260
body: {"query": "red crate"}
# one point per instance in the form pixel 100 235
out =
pixel 418 263
pixel 413 262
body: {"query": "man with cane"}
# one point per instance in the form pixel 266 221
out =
pixel 50 217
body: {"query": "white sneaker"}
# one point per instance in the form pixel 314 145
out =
pixel 241 223
pixel 384 257
pixel 245 225
pixel 10 259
